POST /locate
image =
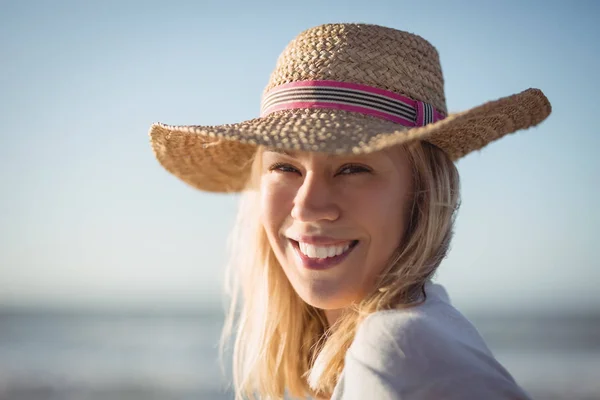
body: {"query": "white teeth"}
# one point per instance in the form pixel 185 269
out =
pixel 322 252
pixel 313 251
pixel 331 251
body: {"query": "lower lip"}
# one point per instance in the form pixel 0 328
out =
pixel 320 263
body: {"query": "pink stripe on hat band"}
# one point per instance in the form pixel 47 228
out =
pixel 352 97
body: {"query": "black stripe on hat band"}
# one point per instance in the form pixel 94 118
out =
pixel 402 112
pixel 374 98
pixel 344 100
pixel 431 114
pixel 352 103
pixel 350 92
pixel 408 111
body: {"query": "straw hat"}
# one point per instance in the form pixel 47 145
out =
pixel 344 88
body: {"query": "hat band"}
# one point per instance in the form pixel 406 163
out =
pixel 350 97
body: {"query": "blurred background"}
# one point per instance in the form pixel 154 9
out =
pixel 111 269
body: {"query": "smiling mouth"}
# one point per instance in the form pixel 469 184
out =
pixel 321 257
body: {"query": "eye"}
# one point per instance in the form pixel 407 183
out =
pixel 282 167
pixel 352 169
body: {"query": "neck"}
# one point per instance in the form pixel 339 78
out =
pixel 333 315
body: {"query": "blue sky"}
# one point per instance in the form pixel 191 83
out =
pixel 89 218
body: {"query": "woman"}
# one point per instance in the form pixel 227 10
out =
pixel 349 196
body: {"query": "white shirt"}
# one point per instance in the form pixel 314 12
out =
pixel 427 352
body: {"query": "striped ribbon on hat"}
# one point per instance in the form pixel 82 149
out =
pixel 350 97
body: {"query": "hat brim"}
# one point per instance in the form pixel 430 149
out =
pixel 216 158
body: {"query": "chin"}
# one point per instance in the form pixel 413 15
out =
pixel 326 299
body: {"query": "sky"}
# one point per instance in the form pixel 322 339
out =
pixel 88 217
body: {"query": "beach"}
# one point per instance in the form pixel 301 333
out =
pixel 130 356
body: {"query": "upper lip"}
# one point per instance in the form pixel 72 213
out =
pixel 320 240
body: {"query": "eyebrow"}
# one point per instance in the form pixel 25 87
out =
pixel 294 154
pixel 288 153
pixel 280 151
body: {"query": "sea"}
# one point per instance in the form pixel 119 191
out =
pixel 75 355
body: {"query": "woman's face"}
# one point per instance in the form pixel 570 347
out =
pixel 334 221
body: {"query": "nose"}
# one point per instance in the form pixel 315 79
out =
pixel 315 201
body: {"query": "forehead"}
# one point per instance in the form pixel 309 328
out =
pixel 289 153
pixel 392 154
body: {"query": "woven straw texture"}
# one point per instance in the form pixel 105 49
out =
pixel 216 158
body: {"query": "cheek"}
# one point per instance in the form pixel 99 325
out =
pixel 275 206
pixel 381 206
pixel 385 220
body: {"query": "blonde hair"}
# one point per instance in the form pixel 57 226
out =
pixel 282 344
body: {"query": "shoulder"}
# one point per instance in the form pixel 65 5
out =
pixel 426 327
pixel 426 352
pixel 434 331
pixel 427 343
